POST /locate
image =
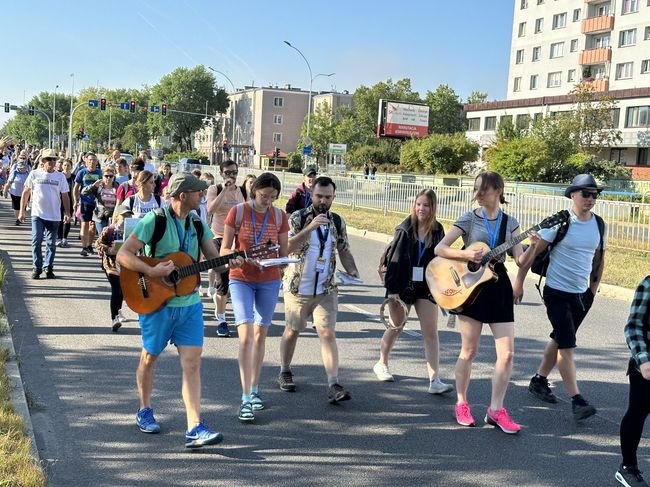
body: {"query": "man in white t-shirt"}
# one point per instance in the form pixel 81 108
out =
pixel 44 188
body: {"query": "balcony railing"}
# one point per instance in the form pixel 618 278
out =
pixel 598 84
pixel 596 56
pixel 598 24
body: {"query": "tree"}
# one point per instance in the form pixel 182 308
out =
pixel 438 153
pixel 594 123
pixel 521 158
pixel 186 90
pixel 477 97
pixel 446 111
pixel 322 132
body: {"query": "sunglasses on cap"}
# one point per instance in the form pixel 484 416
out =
pixel 589 194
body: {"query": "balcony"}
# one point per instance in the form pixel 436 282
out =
pixel 598 84
pixel 595 56
pixel 598 24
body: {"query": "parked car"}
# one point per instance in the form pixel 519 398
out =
pixel 128 157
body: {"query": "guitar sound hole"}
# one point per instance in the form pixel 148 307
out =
pixel 174 277
pixel 473 266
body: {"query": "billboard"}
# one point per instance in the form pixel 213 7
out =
pixel 402 120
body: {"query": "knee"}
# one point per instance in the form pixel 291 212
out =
pixel 468 353
pixel 147 360
pixel 506 357
pixel 191 364
pixel 327 335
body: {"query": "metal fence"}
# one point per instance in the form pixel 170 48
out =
pixel 628 223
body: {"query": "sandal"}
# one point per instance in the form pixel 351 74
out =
pixel 256 402
pixel 246 412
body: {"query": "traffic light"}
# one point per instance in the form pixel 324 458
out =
pixel 30 110
pixel 132 106
pixel 163 109
pixel 102 104
pixel 7 108
pixel 277 152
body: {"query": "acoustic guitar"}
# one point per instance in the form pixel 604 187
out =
pixel 455 284
pixel 146 294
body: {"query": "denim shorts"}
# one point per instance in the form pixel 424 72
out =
pixel 178 325
pixel 254 302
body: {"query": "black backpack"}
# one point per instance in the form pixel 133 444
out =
pixel 160 226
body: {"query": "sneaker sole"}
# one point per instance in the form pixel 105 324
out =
pixel 442 391
pixel 150 432
pixel 257 407
pixel 116 327
pixel 199 443
pixel 246 420
pixel 342 397
pixel 490 421
pixel 287 388
pixel 549 399
pixel 588 413
pixel 469 425
pixel 622 480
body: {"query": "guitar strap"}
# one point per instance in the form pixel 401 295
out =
pixel 503 229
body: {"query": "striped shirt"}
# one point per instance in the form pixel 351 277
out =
pixel 637 330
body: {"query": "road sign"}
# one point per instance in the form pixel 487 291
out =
pixel 125 106
pixel 93 103
pixel 337 149
pixel 306 150
pixel 154 108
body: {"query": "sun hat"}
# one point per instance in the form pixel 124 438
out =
pixel 582 181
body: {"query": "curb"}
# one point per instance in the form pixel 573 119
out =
pixel 17 391
pixel 606 290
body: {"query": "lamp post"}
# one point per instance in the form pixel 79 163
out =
pixel 311 80
pixel 234 104
pixel 71 109
pixel 54 110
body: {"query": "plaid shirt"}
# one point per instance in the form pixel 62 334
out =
pixel 637 330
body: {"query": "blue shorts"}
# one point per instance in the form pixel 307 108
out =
pixel 254 302
pixel 178 325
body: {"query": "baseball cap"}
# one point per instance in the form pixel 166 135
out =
pixel 183 182
pixel 310 170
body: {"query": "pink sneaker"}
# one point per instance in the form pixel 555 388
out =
pixel 502 420
pixel 463 415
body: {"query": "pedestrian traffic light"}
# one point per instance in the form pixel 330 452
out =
pixel 102 104
pixel 132 106
pixel 30 110
pixel 7 107
pixel 163 109
pixel 277 152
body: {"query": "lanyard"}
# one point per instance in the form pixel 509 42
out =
pixel 187 237
pixel 322 237
pixel 492 235
pixel 422 247
pixel 256 237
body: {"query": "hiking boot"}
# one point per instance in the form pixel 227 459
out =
pixel 256 401
pixel 222 330
pixel 630 477
pixel 146 422
pixel 117 324
pixel 463 415
pixel 336 393
pixel 582 409
pixel 502 420
pixel 539 388
pixel 439 387
pixel 382 372
pixel 49 274
pixel 246 412
pixel 36 273
pixel 285 381
pixel 201 435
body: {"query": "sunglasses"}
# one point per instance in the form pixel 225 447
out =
pixel 231 173
pixel 46 159
pixel 111 176
pixel 589 194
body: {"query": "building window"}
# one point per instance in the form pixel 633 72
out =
pixel 539 2
pixel 524 4
pixel 505 119
pixel 624 70
pixel 642 156
pixel 598 72
pixel 277 137
pixel 636 117
pixel 602 10
pixel 522 121
pixel 557 50
pixel 534 81
pixel 278 101
pixel 559 21
pixel 574 45
pixel 627 38
pixel 571 76
pixel 537 117
pixel 520 56
pixel 490 123
pixel 539 25
pixel 537 52
pixel 522 29
pixel 576 15
pixel 277 119
pixel 473 124
pixel 616 115
pixel 554 79
pixel 646 35
pixel 517 84
pixel 600 41
pixel 645 66
pixel 630 6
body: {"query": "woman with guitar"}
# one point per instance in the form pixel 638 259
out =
pixel 410 252
pixel 254 290
pixel 494 305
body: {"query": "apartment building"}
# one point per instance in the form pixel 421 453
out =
pixel 557 44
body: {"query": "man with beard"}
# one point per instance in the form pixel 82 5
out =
pixel 315 235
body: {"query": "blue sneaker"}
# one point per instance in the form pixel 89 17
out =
pixel 146 422
pixel 222 330
pixel 200 436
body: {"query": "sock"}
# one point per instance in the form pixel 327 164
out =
pixel 285 368
pixel 245 398
pixel 221 316
pixel 254 389
pixel 332 379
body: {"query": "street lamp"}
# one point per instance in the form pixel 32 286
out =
pixel 54 111
pixel 311 80
pixel 71 104
pixel 234 104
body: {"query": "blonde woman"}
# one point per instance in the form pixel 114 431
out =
pixel 144 200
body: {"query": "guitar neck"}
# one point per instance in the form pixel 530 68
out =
pixel 504 247
pixel 204 265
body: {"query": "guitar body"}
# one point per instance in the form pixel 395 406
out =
pixel 145 294
pixel 454 284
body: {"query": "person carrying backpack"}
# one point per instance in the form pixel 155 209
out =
pixel 574 271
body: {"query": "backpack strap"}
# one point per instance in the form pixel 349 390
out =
pixel 198 226
pixel 239 216
pixel 158 200
pixel 160 225
pixel 597 261
pixel 559 236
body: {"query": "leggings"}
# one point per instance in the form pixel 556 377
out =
pixel 637 411
pixel 116 294
pixel 64 228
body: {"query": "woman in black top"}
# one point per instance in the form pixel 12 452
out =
pixel 410 252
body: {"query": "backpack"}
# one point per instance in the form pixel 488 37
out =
pixel 160 226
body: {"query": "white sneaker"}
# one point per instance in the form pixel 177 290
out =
pixel 382 373
pixel 117 323
pixel 439 387
pixel 212 291
pixel 121 316
pixel 202 291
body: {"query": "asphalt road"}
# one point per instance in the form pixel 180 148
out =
pixel 79 380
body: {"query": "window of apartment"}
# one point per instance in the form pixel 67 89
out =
pixel 646 35
pixel 574 45
pixel 490 123
pixel 522 29
pixel 537 52
pixel 559 21
pixel 616 115
pixel 600 41
pixel 522 121
pixel 505 119
pixel 598 72
pixel 627 38
pixel 554 79
pixel 540 2
pixel 602 10
pixel 277 137
pixel 630 6
pixel 534 81
pixel 520 56
pixel 557 50
pixel 277 119
pixel 637 117
pixel 642 156
pixel 571 76
pixel 517 84
pixel 524 4
pixel 624 70
pixel 278 101
pixel 473 124
pixel 537 116
pixel 576 15
pixel 645 66
pixel 539 25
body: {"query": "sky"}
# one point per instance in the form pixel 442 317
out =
pixel 128 44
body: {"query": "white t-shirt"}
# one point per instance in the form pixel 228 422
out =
pixel 46 190
pixel 141 208
pixel 309 274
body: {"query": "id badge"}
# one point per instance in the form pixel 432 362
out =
pixel 418 274
pixel 320 264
